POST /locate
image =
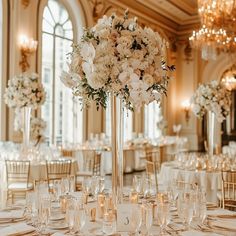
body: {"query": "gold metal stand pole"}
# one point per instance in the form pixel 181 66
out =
pixel 117 149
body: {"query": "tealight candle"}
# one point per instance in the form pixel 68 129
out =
pixel 133 197
pixel 63 204
pixel 93 214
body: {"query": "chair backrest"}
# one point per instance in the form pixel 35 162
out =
pixel 58 169
pixel 17 171
pixel 92 161
pixel 153 155
pixel 228 189
pixel 97 164
pixel 67 152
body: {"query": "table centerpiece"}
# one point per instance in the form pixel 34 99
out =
pixel 212 99
pixel 118 57
pixel 25 92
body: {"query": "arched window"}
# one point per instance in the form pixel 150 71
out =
pixel 128 122
pixel 152 117
pixel 61 111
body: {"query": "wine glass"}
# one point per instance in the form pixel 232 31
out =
pixel 136 218
pixel 137 183
pixel 70 215
pixel 163 215
pixel 148 217
pixel 86 185
pixel 185 209
pixel 94 186
pixel 80 218
pixel 44 212
pixel 65 185
pixel 101 184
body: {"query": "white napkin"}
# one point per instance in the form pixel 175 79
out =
pixel 226 224
pixel 58 234
pixel 15 214
pixel 220 212
pixel 16 230
pixel 197 233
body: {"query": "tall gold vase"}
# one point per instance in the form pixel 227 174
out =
pixel 117 122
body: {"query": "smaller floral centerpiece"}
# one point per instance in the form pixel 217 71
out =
pixel 38 126
pixel 24 91
pixel 212 97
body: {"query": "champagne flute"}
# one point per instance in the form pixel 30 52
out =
pixel 137 183
pixel 185 211
pixel 163 215
pixel 148 217
pixel 136 218
pixel 80 218
pixel 70 215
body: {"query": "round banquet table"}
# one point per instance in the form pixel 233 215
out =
pixel 209 181
pixel 38 171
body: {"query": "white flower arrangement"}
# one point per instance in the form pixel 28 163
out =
pixel 213 97
pixel 118 56
pixel 24 91
pixel 37 129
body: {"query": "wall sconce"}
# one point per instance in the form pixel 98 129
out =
pixel 27 47
pixel 186 109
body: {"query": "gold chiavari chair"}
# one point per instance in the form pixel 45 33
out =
pixel 17 178
pixel 66 152
pixel 57 169
pixel 228 189
pixel 92 166
pixel 153 163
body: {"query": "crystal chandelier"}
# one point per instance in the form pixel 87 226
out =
pixel 218 31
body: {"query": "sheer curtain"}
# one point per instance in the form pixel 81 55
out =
pixel 152 115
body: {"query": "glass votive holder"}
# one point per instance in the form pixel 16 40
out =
pixel 64 202
pixel 109 223
pixel 101 205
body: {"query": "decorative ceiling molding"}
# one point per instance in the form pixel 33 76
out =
pixel 172 18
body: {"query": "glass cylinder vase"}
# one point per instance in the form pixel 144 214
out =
pixel 117 122
pixel 26 115
pixel 210 132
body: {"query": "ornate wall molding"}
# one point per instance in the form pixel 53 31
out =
pixel 25 3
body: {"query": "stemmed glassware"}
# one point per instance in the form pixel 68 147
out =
pixel 80 218
pixel 148 219
pixel 137 183
pixel 185 208
pixel 136 219
pixel 70 215
pixel 163 215
pixel 44 212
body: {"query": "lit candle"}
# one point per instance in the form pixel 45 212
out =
pixel 133 197
pixel 63 204
pixel 101 205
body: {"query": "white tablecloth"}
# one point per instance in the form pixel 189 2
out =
pixel 210 181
